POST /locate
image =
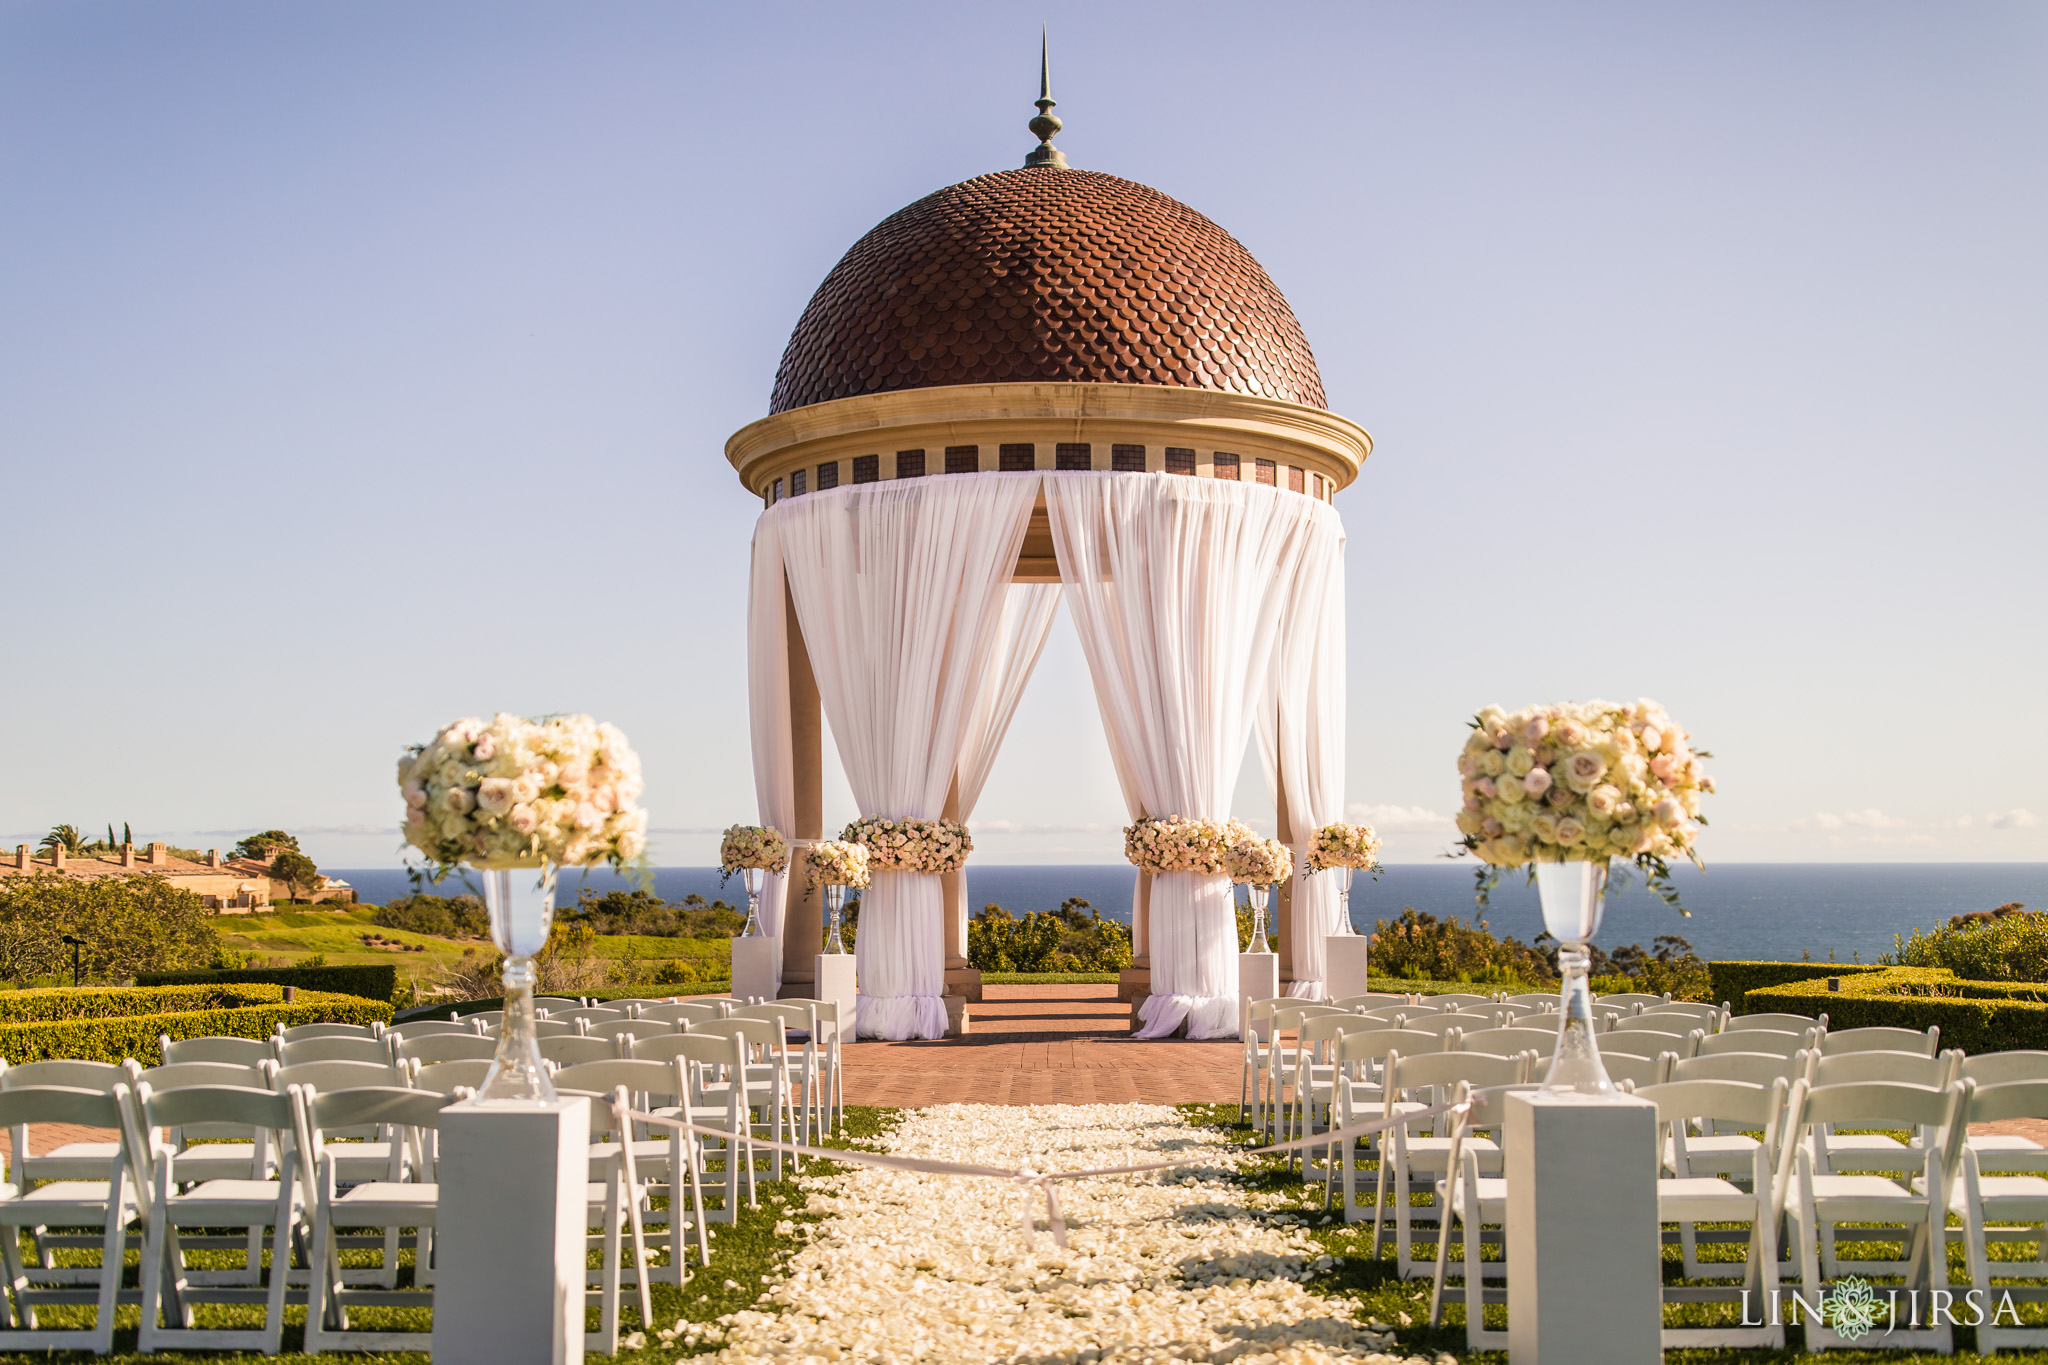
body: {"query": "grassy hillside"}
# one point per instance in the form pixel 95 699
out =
pixel 347 936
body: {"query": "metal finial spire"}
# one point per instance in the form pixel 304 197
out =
pixel 1047 123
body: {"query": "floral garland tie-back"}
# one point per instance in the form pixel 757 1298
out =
pixel 929 848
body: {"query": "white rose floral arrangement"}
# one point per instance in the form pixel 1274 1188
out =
pixel 512 792
pixel 753 846
pixel 1340 845
pixel 1581 782
pixel 1258 862
pixel 1174 843
pixel 835 862
pixel 929 847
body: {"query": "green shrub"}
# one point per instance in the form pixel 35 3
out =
pixel 641 912
pixel 116 1002
pixel 370 980
pixel 1421 946
pixel 440 916
pixel 1731 981
pixel 1073 938
pixel 1977 1016
pixel 2009 947
pixel 130 925
pixel 111 1040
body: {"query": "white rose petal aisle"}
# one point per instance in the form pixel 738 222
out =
pixel 1179 1266
pixel 517 799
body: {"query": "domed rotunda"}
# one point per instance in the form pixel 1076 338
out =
pixel 1038 385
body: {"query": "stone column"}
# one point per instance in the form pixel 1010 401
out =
pixel 1283 894
pixel 1134 982
pixel 803 916
pixel 961 979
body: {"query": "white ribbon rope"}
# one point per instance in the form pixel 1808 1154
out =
pixel 1025 1178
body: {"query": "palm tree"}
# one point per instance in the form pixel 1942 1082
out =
pixel 66 837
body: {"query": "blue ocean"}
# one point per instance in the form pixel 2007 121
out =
pixel 1761 911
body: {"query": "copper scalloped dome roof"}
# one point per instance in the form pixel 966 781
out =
pixel 1045 274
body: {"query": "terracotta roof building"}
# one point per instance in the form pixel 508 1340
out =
pixel 228 884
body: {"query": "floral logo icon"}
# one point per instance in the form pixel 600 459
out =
pixel 1851 1308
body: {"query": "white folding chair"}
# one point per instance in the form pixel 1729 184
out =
pixel 1834 1151
pixel 2007 1208
pixel 1688 1199
pixel 1882 1210
pixel 1926 1044
pixel 169 1289
pixel 800 1028
pixel 1756 1040
pixel 1411 1162
pixel 334 1049
pixel 665 1163
pixel 468 1027
pixel 1473 1200
pixel 614 1204
pixel 239 1051
pixel 1284 1058
pixel 299 1033
pixel 1707 1017
pixel 1777 1023
pixel 1505 1042
pixel 1635 1000
pixel 575 1050
pixel 67 1160
pixel 447 1047
pixel 2007 1153
pixel 413 1114
pixel 768 1087
pixel 712 1069
pixel 109 1200
pixel 681 1012
pixel 446 1078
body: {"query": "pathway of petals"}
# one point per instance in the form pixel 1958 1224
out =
pixel 1179 1266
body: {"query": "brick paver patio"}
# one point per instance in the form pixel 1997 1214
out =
pixel 1043 1045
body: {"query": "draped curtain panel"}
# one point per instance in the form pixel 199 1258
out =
pixel 768 709
pixel 900 589
pixel 1028 612
pixel 1301 740
pixel 1177 589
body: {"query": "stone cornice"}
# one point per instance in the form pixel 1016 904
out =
pixel 979 413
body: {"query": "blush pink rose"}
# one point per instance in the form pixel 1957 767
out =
pixel 1537 782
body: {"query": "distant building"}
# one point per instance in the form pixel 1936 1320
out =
pixel 231 885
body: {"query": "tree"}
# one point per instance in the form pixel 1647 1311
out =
pixel 129 924
pixel 261 846
pixel 295 870
pixel 67 837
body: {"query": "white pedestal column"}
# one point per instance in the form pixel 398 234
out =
pixel 1258 978
pixel 835 982
pixel 510 1248
pixel 1583 1246
pixel 754 964
pixel 1344 965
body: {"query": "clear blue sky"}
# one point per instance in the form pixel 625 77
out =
pixel 367 364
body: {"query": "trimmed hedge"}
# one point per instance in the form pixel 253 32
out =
pixel 686 991
pixel 1976 1016
pixel 370 980
pixel 116 1002
pixel 1733 980
pixel 111 1040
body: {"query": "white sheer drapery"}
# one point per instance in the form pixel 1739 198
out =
pixel 1028 612
pixel 1301 735
pixel 768 709
pixel 899 588
pixel 1176 586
